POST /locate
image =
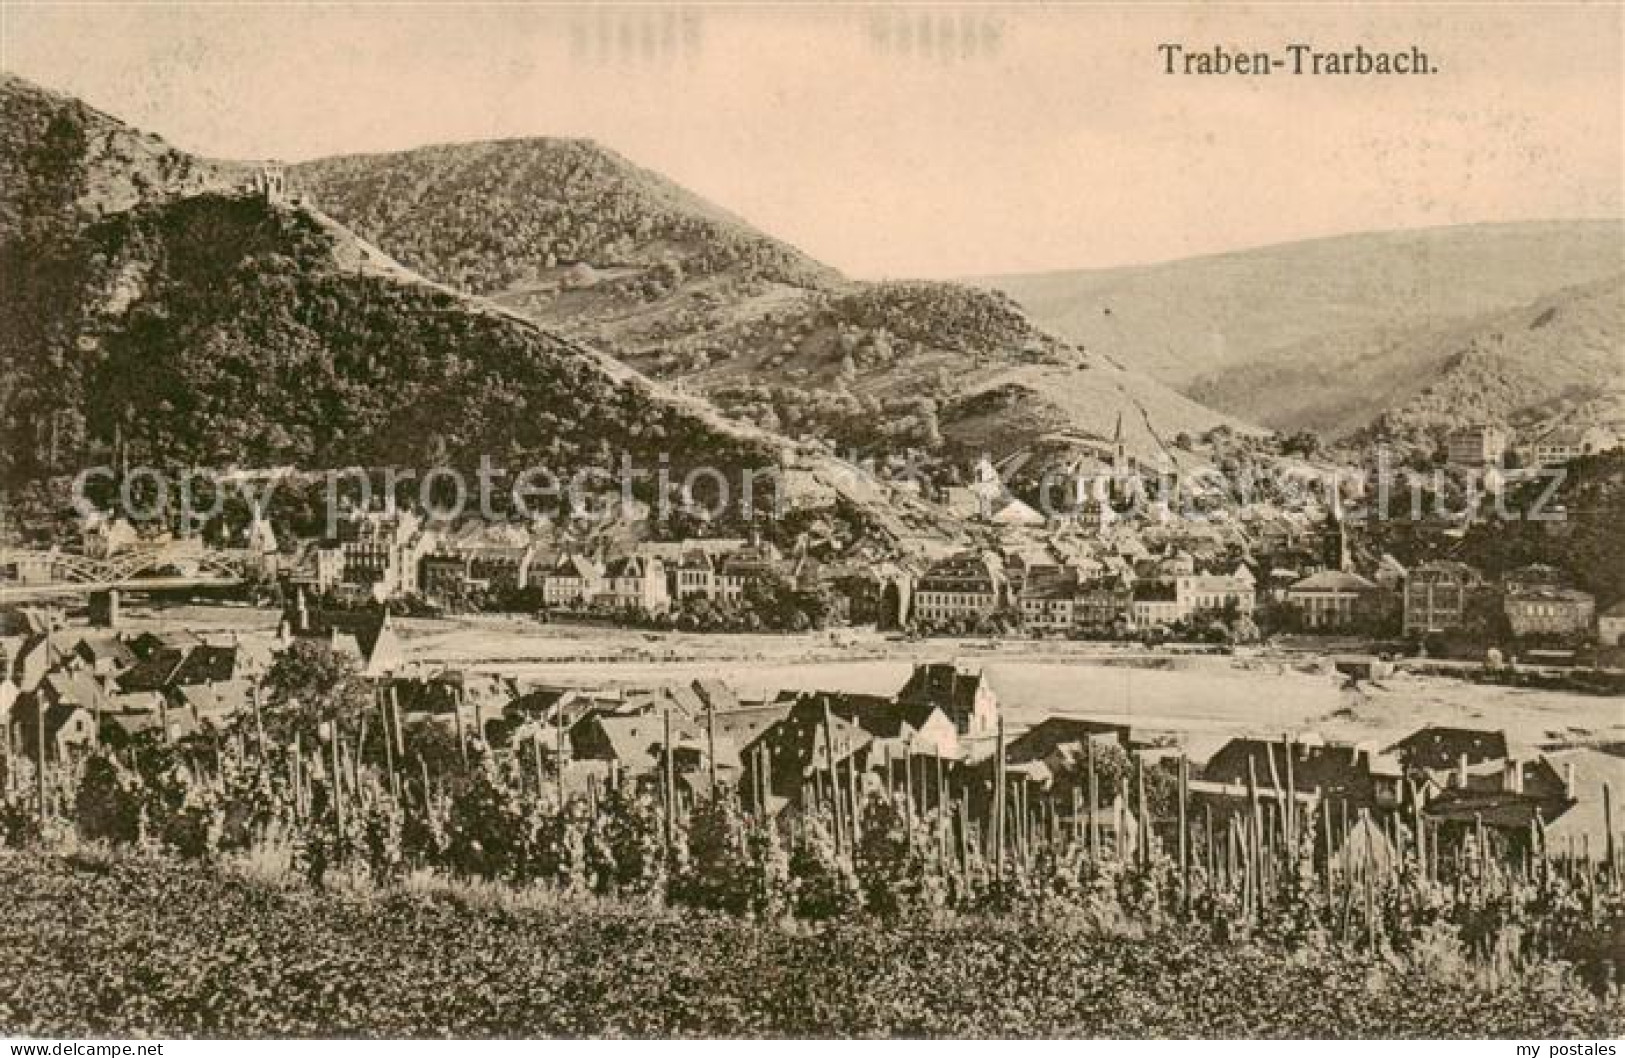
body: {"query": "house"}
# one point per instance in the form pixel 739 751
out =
pixel 375 554
pixel 1154 603
pixel 695 575
pixel 1549 611
pixel 1566 442
pixel 1331 599
pixel 444 576
pixel 796 755
pixel 1438 748
pixel 1611 625
pixel 966 695
pixel 1479 445
pixel 1047 598
pixel 1011 512
pixel 1210 593
pixel 632 743
pixel 635 583
pixel 1043 739
pixel 1439 595
pixel 70 728
pixel 368 636
pixel 1341 772
pixel 967 586
pixel 105 535
pixel 105 653
pixel 1101 605
pixel 750 564
pixel 898 729
pixel 573 581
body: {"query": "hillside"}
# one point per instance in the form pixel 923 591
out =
pixel 62 161
pixel 1531 362
pixel 591 246
pixel 205 324
pixel 1328 311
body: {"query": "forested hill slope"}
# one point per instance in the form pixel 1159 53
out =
pixel 208 324
pixel 576 237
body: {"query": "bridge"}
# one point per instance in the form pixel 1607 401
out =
pixel 179 564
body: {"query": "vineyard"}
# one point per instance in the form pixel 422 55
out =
pixel 345 868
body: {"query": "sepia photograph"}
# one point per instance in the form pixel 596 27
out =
pixel 780 521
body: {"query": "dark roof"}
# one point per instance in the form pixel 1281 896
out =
pixel 880 716
pixel 1443 747
pixel 1040 740
pixel 207 664
pixel 1338 769
pixel 155 672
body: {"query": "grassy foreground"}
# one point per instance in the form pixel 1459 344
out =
pixel 151 948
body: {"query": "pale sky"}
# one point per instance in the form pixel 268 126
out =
pixel 909 141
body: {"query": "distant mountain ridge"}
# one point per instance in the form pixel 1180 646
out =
pixel 1292 336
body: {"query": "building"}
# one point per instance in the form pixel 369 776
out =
pixel 1101 605
pixel 1154 603
pixel 1438 596
pixel 1545 610
pixel 1564 443
pixel 635 583
pixel 753 563
pixel 572 582
pixel 1611 625
pixel 367 636
pixel 1048 599
pixel 1332 599
pixel 968 586
pixel 898 729
pixel 1344 773
pixel 966 695
pixel 1213 593
pixel 1476 446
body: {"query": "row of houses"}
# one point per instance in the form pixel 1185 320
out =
pixel 1489 444
pixel 942 728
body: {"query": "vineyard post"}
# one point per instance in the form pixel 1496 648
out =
pixel 998 806
pixel 1326 830
pixel 1255 828
pixel 558 758
pixel 1289 820
pixel 1608 828
pixel 39 772
pixel 1077 815
pixel 1370 880
pixel 908 795
pixel 296 776
pixel 395 723
pixel 834 783
pixel 668 789
pixel 259 721
pixel 1142 817
pixel 457 722
pixel 423 770
pixel 856 816
pixel 1094 796
pixel 389 747
pixel 1209 860
pixel 338 782
pixel 1184 836
pixel 711 746
pixel 767 776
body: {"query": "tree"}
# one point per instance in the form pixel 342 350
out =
pixel 310 684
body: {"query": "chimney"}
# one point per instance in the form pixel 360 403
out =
pixel 1513 781
pixel 1461 772
pixel 1568 780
